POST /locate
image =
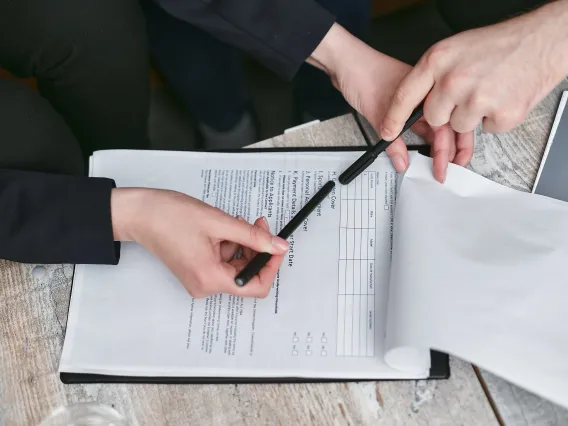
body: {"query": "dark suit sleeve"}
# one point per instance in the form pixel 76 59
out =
pixel 56 219
pixel 281 34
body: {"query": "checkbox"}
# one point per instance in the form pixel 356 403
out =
pixel 386 207
pixel 308 339
pixel 323 353
pixel 308 353
pixel 294 352
pixel 295 339
pixel 324 340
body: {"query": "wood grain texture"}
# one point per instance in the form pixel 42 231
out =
pixel 33 313
pixel 340 131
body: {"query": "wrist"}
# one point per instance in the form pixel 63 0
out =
pixel 334 46
pixel 550 26
pixel 558 10
pixel 128 212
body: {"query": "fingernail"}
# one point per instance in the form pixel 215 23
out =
pixel 242 219
pixel 280 244
pixel 386 134
pixel 399 163
pixel 265 221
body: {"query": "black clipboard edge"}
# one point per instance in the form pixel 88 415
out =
pixel 439 362
pixel 422 149
pixel 439 370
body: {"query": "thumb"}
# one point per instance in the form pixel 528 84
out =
pixel 398 154
pixel 254 237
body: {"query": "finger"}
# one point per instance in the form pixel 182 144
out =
pixel 262 223
pixel 398 154
pixel 438 106
pixel 502 121
pixel 423 129
pixel 465 146
pixel 452 144
pixel 259 285
pixel 228 228
pixel 228 250
pixel 411 91
pixel 440 151
pixel 467 116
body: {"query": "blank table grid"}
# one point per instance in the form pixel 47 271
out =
pixel 356 290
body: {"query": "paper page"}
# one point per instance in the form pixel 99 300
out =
pixel 324 317
pixel 479 271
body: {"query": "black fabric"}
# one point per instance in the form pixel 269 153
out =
pixel 462 15
pixel 91 63
pixel 50 212
pixel 50 218
pixel 91 60
pixel 279 33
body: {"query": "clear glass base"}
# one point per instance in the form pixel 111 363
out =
pixel 84 414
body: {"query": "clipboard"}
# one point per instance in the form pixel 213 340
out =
pixel 439 361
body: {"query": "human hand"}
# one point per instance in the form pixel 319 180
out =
pixel 197 242
pixel 494 75
pixel 368 80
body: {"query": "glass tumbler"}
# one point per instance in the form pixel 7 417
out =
pixel 84 414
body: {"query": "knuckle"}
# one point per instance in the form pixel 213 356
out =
pixel 478 101
pixel 459 125
pixel 435 55
pixel 454 83
pixel 505 120
pixel 196 292
pixel 263 294
pixel 389 123
pixel 399 97
pixel 430 114
pixel 254 233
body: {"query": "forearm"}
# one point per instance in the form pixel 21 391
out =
pixel 55 219
pixel 339 50
pixel 279 33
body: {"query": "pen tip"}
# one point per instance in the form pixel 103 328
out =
pixel 240 282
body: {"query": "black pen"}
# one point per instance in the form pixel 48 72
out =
pixel 257 263
pixel 373 152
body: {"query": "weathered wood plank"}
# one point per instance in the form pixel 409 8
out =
pixel 32 322
pixel 340 131
pixel 517 407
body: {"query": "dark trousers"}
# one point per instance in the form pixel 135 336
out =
pixel 90 59
pixel 207 74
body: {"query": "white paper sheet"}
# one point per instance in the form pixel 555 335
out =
pixel 325 315
pixel 481 271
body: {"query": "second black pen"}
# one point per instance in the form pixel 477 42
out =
pixel 259 261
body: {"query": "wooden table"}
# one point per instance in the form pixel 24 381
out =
pixel 33 312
